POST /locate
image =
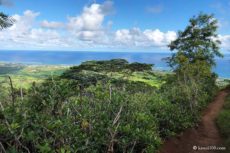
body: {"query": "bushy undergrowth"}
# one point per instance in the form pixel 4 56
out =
pixel 84 113
pixel 52 118
pixel 223 122
pixel 58 116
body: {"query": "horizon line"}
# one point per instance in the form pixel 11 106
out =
pixel 95 51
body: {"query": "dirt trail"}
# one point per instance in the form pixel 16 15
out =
pixel 206 134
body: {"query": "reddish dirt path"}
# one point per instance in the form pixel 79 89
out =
pixel 206 134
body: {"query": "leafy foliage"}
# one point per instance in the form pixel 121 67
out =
pixel 90 72
pixel 5 21
pixel 55 118
pixel 223 122
pixel 113 65
pixel 198 42
pixel 194 83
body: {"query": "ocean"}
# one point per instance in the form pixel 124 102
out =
pixel 74 58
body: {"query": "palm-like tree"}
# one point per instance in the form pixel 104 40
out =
pixel 5 21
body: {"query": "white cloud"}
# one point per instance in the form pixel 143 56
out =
pixel 129 38
pixel 23 34
pixel 89 25
pixel 148 38
pixel 51 24
pixel 225 41
pixel 155 36
pixel 91 19
pixel 87 30
pixel 21 28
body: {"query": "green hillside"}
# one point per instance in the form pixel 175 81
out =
pixel 25 75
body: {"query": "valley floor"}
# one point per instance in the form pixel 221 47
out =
pixel 24 75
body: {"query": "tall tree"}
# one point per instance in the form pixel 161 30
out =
pixel 196 48
pixel 198 42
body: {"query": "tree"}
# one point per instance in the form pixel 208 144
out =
pixel 196 48
pixel 139 67
pixel 198 42
pixel 5 21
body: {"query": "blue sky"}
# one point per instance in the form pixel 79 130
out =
pixel 105 25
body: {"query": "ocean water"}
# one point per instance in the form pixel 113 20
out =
pixel 74 58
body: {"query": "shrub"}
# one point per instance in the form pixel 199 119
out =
pixel 56 118
pixel 223 122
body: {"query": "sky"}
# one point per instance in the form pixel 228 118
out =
pixel 105 25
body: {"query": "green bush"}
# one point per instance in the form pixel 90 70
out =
pixel 223 122
pixel 56 118
pixel 89 112
pixel 172 120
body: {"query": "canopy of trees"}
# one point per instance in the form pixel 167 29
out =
pixel 90 72
pixel 113 65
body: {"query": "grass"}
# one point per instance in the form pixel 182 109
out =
pixel 20 80
pixel 42 71
pixel 149 77
pixel 223 122
pixel 27 74
pixel 24 75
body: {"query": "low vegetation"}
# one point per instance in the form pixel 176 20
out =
pixel 69 113
pixel 223 122
pixel 91 102
pixel 111 106
pixel 24 75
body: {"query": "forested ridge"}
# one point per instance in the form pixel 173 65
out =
pixel 100 106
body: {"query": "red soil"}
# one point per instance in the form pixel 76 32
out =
pixel 206 134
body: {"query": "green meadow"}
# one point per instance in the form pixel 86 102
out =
pixel 24 75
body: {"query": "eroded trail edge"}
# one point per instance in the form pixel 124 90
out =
pixel 206 134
